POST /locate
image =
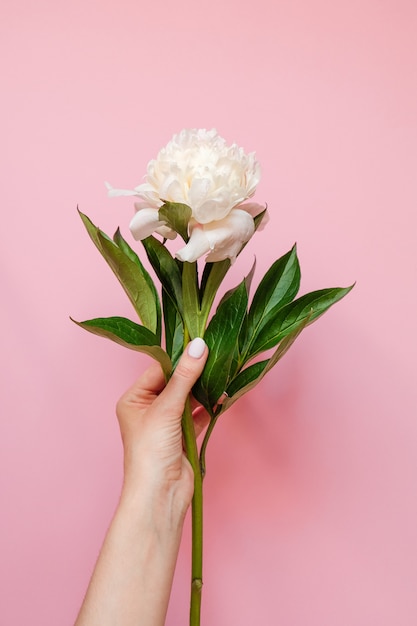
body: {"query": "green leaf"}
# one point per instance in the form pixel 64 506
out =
pixel 243 330
pixel 211 280
pixel 221 337
pixel 124 246
pixel 213 275
pixel 128 273
pixel 191 299
pixel 245 377
pixel 130 335
pixel 174 331
pixel 248 378
pixel 177 216
pixel 248 282
pixel 167 269
pixel 278 287
pixel 283 320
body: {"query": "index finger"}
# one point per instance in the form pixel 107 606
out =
pixel 146 389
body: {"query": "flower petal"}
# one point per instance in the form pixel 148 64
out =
pixel 166 232
pixel 113 193
pixel 144 223
pixel 142 205
pixel 215 180
pixel 227 236
pixel 254 209
pixel 197 245
pixel 223 239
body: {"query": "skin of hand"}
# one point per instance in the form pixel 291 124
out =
pixel 150 426
pixel 132 579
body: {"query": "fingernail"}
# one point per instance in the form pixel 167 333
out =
pixel 196 347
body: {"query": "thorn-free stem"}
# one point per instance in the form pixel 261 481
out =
pixel 196 516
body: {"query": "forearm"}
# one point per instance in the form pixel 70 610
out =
pixel 132 579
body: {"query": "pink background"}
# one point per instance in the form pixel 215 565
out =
pixel 311 508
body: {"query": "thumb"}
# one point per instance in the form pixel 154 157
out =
pixel 191 364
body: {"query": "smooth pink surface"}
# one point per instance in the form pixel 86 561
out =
pixel 311 508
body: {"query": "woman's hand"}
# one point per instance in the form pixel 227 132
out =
pixel 150 415
pixel 132 579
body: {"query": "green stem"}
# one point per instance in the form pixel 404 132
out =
pixel 209 430
pixel 196 516
pixel 191 307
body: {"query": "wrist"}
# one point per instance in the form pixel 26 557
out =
pixel 158 504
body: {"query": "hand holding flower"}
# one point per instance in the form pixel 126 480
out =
pixel 132 579
pixel 150 414
pixel 199 188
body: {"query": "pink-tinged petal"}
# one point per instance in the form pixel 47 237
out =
pixel 144 223
pixel 264 221
pixel 197 246
pixel 254 209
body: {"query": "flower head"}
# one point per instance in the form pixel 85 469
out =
pixel 198 169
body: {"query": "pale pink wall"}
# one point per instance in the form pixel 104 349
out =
pixel 311 487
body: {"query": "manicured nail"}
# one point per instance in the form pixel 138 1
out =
pixel 196 347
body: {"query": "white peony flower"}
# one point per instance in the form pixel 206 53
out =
pixel 198 169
